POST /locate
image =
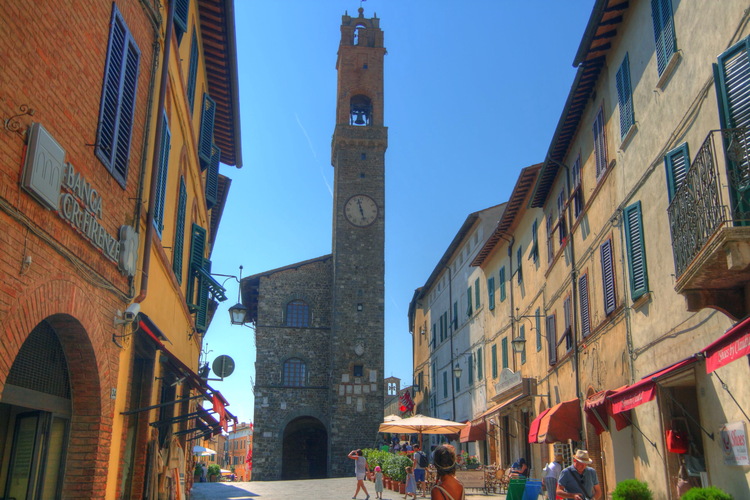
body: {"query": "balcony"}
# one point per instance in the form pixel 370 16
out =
pixel 709 220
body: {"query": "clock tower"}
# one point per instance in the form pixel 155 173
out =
pixel 358 282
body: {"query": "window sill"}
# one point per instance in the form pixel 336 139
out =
pixel 628 136
pixel 642 300
pixel 669 70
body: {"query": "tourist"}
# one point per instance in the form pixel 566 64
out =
pixel 519 468
pixel 579 481
pixel 411 483
pixel 447 487
pixel 551 473
pixel 378 483
pixel 420 463
pixel 360 469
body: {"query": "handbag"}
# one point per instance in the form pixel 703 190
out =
pixel 678 440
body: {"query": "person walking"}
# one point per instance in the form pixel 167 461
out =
pixel 447 487
pixel 360 469
pixel 551 473
pixel 420 462
pixel 378 483
pixel 579 481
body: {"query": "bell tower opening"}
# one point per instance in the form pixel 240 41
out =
pixel 360 111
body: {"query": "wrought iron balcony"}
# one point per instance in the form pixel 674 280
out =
pixel 709 220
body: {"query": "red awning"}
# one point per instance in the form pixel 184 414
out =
pixel 534 427
pixel 598 409
pixel 644 390
pixel 476 431
pixel 559 423
pixel 733 345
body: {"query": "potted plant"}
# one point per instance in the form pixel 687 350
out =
pixel 632 489
pixel 214 471
pixel 197 471
pixel 472 462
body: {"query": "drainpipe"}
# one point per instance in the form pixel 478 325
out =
pixel 155 160
pixel 511 241
pixel 453 321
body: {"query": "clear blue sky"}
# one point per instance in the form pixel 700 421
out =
pixel 473 93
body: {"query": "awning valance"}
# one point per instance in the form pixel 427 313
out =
pixel 733 345
pixel 534 427
pixel 474 431
pixel 598 409
pixel 644 390
pixel 558 424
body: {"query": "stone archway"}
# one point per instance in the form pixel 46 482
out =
pixel 304 452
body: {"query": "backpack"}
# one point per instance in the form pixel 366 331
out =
pixel 422 460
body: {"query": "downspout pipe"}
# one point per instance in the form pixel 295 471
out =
pixel 155 159
pixel 452 330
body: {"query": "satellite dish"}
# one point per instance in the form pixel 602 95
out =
pixel 223 366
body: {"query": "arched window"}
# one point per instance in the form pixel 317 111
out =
pixel 360 110
pixel 297 313
pixel 294 372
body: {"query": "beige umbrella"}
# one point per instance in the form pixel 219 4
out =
pixel 421 425
pixel 391 418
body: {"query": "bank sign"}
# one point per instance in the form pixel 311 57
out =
pixel 57 185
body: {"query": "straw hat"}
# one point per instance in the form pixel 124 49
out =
pixel 582 456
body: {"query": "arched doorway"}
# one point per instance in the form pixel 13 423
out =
pixel 304 450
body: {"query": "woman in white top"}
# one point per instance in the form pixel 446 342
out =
pixel 551 473
pixel 360 469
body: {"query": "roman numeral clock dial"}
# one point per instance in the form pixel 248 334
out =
pixel 361 210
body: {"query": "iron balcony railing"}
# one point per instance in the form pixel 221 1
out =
pixel 698 209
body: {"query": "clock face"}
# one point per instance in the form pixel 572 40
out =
pixel 361 210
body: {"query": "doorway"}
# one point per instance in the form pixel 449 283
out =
pixel 305 450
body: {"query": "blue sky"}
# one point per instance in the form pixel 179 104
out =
pixel 473 93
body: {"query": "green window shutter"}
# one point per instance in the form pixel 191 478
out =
pixel 469 310
pixel 117 105
pixel 201 315
pixel 212 178
pixel 505 352
pixel 197 250
pixel 625 97
pixel 636 250
pixel 179 233
pixel 600 143
pixel 433 378
pixel 494 360
pixel 445 384
pixel 535 241
pixel 471 368
pixel 458 383
pixel 551 340
pixel 677 164
pixel 161 180
pixel 480 371
pixel 477 297
pixel 181 10
pixel 733 86
pixel 491 292
pixel 502 284
pixel 583 294
pixel 192 71
pixel 455 315
pixel 538 326
pixel 434 336
pixel 608 277
pixel 664 34
pixel 522 333
pixel 206 139
pixel 519 271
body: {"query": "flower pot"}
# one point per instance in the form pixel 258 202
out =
pixel 472 466
pixel 402 487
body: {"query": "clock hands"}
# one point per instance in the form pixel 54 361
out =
pixel 361 211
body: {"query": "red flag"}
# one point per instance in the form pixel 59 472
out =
pixel 249 459
pixel 220 411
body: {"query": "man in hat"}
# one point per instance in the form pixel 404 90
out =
pixel 579 481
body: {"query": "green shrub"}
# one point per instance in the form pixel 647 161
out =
pixel 632 489
pixel 375 458
pixel 395 466
pixel 214 470
pixel 710 493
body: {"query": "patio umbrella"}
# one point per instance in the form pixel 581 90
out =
pixel 391 418
pixel 419 424
pixel 202 451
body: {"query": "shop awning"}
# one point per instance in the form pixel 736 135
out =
pixel 598 409
pixel 202 451
pixel 644 390
pixel 474 431
pixel 559 423
pixel 731 346
pixel 534 427
pixel 499 406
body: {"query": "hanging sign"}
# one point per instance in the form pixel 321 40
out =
pixel 734 443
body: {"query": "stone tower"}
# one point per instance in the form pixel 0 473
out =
pixel 358 158
pixel 319 324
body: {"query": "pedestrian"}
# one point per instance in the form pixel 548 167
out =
pixel 551 473
pixel 420 462
pixel 378 483
pixel 203 472
pixel 411 483
pixel 579 481
pixel 519 468
pixel 360 469
pixel 447 486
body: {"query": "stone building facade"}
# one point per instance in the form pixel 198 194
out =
pixel 319 324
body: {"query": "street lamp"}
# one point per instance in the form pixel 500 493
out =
pixel 457 371
pixel 519 344
pixel 238 312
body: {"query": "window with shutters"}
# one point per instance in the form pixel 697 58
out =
pixel 294 373
pixel 491 292
pixel 200 282
pixel 433 376
pixel 577 192
pixel 206 138
pixel 458 383
pixel 192 71
pixel 538 328
pixel 733 85
pixel 455 315
pixel 600 143
pixel 494 360
pixel 504 352
pixel 562 228
pixel 469 308
pixel 471 368
pixel 297 314
pixel 502 284
pixel 634 245
pixel 677 164
pixel 212 178
pixel 434 336
pixel 522 334
pixel 181 11
pixel 583 294
pixel 550 238
pixel 551 340
pixel 445 384
pixel 161 178
pixel 664 33
pixel 519 268
pixel 608 277
pixel 197 249
pixel 534 252
pixel 117 106
pixel 477 297
pixel 625 97
pixel 179 232
pixel 480 368
pixel 568 332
